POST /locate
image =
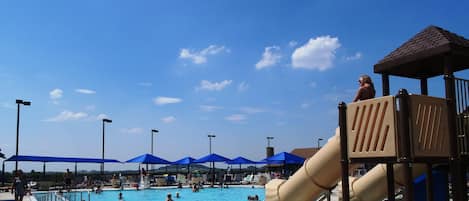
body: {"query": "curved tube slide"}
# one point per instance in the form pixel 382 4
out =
pixel 322 171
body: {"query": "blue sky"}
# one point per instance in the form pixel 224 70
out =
pixel 242 70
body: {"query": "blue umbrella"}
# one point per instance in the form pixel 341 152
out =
pixel 185 161
pixel 148 159
pixel 241 160
pixel 285 158
pixel 212 158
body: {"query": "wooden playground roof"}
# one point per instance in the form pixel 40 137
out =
pixel 423 56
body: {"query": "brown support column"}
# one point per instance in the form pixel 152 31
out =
pixel 343 151
pixel 458 174
pixel 390 181
pixel 429 182
pixel 385 82
pixel 389 166
pixel 423 86
pixel 429 178
pixel 404 141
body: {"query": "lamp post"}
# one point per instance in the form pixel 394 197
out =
pixel 210 143
pixel 268 140
pixel 102 164
pixel 210 136
pixel 152 132
pixel 319 142
pixel 19 102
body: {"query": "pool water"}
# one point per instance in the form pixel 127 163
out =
pixel 186 194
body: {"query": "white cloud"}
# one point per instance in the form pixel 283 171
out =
pixel 236 117
pixel 145 84
pixel 85 91
pixel 200 57
pixel 270 57
pixel 132 130
pixel 101 117
pixel 67 115
pixel 356 56
pixel 169 119
pixel 55 94
pixel 251 110
pixel 161 100
pixel 317 54
pixel 242 87
pixel 209 108
pixel 213 86
pixel 292 43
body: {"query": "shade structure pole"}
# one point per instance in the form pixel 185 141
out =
pixel 44 169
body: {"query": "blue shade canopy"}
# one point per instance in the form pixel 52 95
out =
pixel 212 158
pixel 60 159
pixel 285 158
pixel 241 160
pixel 184 161
pixel 148 159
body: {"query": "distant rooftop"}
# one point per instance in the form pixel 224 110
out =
pixel 423 56
pixel 305 152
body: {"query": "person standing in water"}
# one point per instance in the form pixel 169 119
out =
pixel 366 89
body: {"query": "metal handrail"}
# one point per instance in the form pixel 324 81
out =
pixel 67 196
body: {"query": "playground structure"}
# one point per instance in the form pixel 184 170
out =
pixel 407 134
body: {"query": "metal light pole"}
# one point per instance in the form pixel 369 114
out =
pixel 102 164
pixel 19 102
pixel 152 131
pixel 319 142
pixel 210 143
pixel 210 151
pixel 268 140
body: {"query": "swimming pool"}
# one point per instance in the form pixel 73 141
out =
pixel 186 194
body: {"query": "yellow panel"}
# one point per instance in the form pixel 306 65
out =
pixel 429 126
pixel 371 128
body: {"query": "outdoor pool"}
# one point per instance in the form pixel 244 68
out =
pixel 186 194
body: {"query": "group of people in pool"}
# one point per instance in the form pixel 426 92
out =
pixel 169 196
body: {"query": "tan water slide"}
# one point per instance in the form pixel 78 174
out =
pixel 323 171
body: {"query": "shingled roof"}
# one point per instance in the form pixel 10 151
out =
pixel 305 152
pixel 423 55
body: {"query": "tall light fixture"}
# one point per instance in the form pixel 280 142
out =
pixel 102 164
pixel 151 149
pixel 268 140
pixel 19 102
pixel 319 142
pixel 210 136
